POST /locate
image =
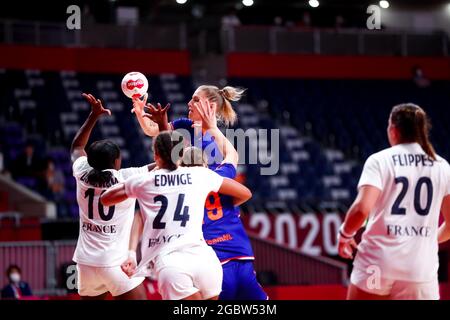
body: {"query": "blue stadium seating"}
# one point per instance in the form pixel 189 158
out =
pixel 327 127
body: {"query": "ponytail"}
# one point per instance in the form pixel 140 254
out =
pixel 99 177
pixel 169 147
pixel 423 125
pixel 223 98
pixel 413 125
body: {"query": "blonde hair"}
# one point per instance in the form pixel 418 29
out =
pixel 223 98
pixel 193 157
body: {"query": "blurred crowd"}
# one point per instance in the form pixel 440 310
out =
pixel 38 171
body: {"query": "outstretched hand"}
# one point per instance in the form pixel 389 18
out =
pixel 97 108
pixel 139 105
pixel 207 113
pixel 157 114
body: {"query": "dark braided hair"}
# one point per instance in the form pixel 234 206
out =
pixel 414 126
pixel 101 155
pixel 169 147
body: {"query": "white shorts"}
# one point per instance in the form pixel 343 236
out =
pixel 396 290
pixel 94 281
pixel 187 271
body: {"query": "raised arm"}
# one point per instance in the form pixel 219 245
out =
pixel 209 124
pixel 444 229
pixel 159 116
pixel 153 122
pixel 239 192
pixel 355 218
pixel 114 195
pixel 82 136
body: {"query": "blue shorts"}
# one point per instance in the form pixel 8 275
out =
pixel 239 282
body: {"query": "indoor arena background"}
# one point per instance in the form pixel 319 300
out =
pixel 326 76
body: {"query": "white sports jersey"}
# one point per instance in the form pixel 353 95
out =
pixel 104 231
pixel 173 204
pixel 401 234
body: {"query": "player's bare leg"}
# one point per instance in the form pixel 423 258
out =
pixel 137 293
pixel 214 298
pixel 354 293
pixel 100 297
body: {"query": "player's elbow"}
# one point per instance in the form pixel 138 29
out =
pixel 247 194
pixel 236 157
pixel 106 200
pixel 360 208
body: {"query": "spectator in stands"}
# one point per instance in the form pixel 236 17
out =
pixel 305 22
pixel 52 185
pixel 230 20
pixel 87 16
pixel 16 289
pixel 339 22
pixel 278 21
pixel 26 164
pixel 419 78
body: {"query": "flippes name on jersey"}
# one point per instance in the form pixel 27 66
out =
pixel 412 160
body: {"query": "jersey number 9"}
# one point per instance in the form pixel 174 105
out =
pixel 214 206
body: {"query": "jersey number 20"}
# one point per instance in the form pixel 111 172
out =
pixel 396 209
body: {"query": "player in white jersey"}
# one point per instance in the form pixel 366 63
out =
pixel 172 200
pixel 104 231
pixel 401 192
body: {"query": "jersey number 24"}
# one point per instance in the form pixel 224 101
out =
pixel 184 218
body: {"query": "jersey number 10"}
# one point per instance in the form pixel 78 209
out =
pixel 90 193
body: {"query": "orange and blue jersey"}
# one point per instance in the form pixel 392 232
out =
pixel 224 232
pixel 222 229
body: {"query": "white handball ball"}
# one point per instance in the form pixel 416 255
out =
pixel 134 85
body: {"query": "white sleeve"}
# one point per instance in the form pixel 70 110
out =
pixel 214 180
pixel 371 174
pixel 80 166
pixel 128 172
pixel 133 186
